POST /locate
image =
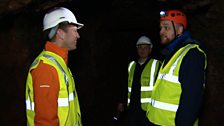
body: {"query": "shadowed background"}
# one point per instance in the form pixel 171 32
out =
pixel 106 46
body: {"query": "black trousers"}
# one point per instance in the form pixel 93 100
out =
pixel 137 118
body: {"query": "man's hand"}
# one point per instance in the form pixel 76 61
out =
pixel 120 107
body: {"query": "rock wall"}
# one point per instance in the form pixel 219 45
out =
pixel 106 46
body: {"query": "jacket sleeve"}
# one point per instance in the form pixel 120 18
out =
pixel 191 77
pixel 46 90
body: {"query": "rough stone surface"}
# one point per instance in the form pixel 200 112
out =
pixel 106 46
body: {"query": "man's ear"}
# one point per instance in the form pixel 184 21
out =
pixel 180 29
pixel 150 51
pixel 60 34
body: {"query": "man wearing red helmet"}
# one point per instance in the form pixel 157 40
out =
pixel 178 90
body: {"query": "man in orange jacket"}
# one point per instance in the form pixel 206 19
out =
pixel 51 98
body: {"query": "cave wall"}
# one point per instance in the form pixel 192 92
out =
pixel 106 46
pixel 209 27
pixel 20 42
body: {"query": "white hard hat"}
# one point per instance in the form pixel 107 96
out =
pixel 58 15
pixel 144 40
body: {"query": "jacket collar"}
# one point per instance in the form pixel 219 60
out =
pixel 177 41
pixel 62 52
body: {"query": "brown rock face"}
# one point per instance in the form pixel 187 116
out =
pixel 106 46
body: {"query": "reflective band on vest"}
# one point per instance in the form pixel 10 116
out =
pixel 52 59
pixel 146 88
pixel 143 88
pixel 29 105
pixel 164 106
pixel 152 75
pixel 131 64
pixel 143 100
pixel 65 101
pixel 61 102
pixel 169 77
pixel 71 96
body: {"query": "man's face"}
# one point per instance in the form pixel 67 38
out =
pixel 70 37
pixel 166 32
pixel 143 51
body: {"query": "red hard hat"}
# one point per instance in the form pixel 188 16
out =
pixel 175 16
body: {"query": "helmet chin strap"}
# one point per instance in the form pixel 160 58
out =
pixel 174 29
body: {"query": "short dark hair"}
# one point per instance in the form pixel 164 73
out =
pixel 62 25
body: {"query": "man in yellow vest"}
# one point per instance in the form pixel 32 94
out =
pixel 141 78
pixel 51 97
pixel 178 90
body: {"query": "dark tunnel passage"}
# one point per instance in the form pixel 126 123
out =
pixel 106 46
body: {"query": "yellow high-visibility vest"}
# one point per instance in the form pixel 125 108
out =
pixel 147 81
pixel 167 90
pixel 68 105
